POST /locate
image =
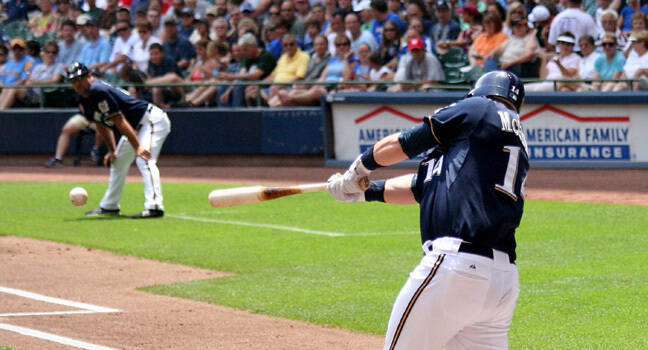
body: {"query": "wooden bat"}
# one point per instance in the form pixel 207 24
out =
pixel 248 195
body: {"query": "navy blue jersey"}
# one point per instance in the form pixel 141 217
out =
pixel 472 184
pixel 106 101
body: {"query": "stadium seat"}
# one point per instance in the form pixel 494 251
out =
pixel 18 29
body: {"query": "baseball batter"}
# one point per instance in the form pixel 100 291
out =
pixel 143 126
pixel 470 187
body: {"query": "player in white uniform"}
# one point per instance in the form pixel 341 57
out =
pixel 144 127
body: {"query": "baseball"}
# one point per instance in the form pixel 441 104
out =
pixel 78 196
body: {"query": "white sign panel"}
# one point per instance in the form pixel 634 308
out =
pixel 601 133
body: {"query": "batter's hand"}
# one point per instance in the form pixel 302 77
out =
pixel 353 177
pixel 335 187
pixel 144 153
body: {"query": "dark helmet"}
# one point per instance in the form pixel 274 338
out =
pixel 76 69
pixel 502 84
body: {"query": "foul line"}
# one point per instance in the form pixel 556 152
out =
pixel 51 300
pixel 242 223
pixel 52 337
pixel 286 228
pixel 85 309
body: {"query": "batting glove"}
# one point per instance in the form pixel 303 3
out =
pixel 353 177
pixel 335 187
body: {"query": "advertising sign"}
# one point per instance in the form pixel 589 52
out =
pixel 585 133
pixel 554 134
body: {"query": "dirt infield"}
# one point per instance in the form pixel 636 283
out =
pixel 146 321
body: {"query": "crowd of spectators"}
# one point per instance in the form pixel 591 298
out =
pixel 407 44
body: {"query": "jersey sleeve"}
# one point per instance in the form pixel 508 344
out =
pixel 449 122
pixel 106 104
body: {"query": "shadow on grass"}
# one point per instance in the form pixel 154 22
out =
pixel 101 218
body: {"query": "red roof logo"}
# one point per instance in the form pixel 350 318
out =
pixel 390 110
pixel 579 119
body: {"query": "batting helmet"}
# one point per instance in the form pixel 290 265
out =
pixel 76 69
pixel 501 84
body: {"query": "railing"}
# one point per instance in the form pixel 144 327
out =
pixel 441 86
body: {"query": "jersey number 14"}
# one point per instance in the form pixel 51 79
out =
pixel 508 184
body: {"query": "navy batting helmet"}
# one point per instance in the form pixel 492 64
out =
pixel 505 85
pixel 76 69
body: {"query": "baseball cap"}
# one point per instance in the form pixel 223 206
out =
pixel 362 5
pixel 82 19
pixel 201 20
pixel 19 42
pixel 170 20
pixel 469 9
pixel 415 43
pixel 539 13
pixel 187 11
pixel 246 6
pixel 304 1
pixel 566 39
pixel 441 4
pixel 211 11
pixel 92 22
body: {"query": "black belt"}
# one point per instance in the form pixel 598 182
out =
pixel 478 249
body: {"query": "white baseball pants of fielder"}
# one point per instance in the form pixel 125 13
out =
pixel 152 131
pixel 454 300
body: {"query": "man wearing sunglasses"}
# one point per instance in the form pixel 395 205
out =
pixel 123 49
pixel 291 67
pixel 16 71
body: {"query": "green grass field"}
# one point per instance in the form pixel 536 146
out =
pixel 583 267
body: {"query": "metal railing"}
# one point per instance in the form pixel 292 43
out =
pixel 336 84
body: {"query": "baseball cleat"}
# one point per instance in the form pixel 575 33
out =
pixel 53 163
pixel 149 213
pixel 98 211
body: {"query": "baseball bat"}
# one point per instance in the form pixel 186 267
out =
pixel 255 194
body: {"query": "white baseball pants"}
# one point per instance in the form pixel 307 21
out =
pixel 454 300
pixel 152 131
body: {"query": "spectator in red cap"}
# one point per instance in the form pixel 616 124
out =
pixel 419 66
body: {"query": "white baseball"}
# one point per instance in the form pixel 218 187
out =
pixel 78 196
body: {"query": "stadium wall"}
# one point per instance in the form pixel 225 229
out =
pixel 562 129
pixel 194 131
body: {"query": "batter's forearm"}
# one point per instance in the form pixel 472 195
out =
pixel 388 151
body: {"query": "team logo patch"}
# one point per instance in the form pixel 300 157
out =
pixel 103 106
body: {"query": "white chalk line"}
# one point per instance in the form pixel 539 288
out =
pixel 285 228
pixel 52 300
pixel 52 337
pixel 86 309
pixel 243 223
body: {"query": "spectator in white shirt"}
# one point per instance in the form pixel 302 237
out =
pixel 141 48
pixel 574 20
pixel 123 48
pixel 636 65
